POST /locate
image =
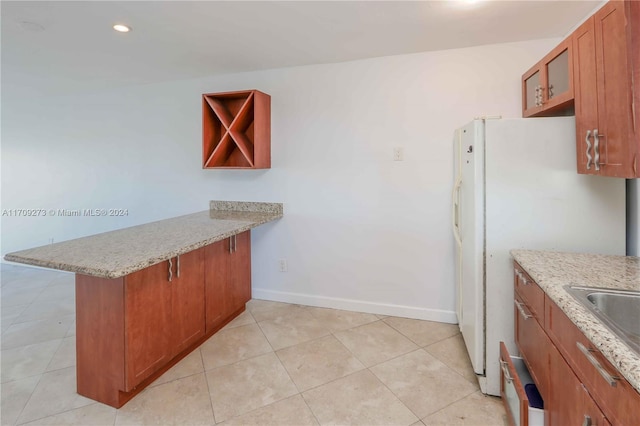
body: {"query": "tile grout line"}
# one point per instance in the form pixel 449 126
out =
pixel 391 390
pixel 204 371
pixel 27 401
pixel 331 333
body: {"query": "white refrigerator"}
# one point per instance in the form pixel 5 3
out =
pixel 516 186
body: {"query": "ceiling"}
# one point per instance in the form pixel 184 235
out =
pixel 55 47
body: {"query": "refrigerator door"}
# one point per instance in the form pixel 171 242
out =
pixel 470 252
pixel 455 220
pixel 535 199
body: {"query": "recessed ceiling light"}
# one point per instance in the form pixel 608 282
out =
pixel 121 28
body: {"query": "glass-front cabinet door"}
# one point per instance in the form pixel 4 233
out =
pixel 533 95
pixel 558 70
pixel 558 75
pixel 547 87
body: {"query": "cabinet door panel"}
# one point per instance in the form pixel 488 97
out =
pixel 216 272
pixel 614 94
pixel 147 322
pixel 569 402
pixel 532 85
pixel 240 272
pixel 532 343
pixel 558 77
pixel 558 71
pixel 586 97
pixel 188 300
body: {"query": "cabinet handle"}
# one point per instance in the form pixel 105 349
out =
pixel 505 371
pixel 178 266
pixel 592 359
pixel 232 244
pixel 589 158
pixel 587 421
pixel 550 91
pixel 170 270
pixel 596 149
pixel 523 279
pixel 524 313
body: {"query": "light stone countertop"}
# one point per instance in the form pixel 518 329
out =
pixel 117 253
pixel 553 270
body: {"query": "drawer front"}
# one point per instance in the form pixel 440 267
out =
pixel 619 401
pixel 513 377
pixel 530 292
pixel 533 344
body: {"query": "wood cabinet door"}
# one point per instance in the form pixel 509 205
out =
pixel 569 403
pixel 187 302
pixel 557 75
pixel 147 300
pixel 615 122
pixel 585 96
pixel 240 272
pixel 216 273
pixel 533 344
pixel 532 91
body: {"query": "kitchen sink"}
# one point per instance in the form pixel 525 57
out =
pixel 619 310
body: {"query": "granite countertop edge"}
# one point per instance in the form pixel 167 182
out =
pixel 233 222
pixel 554 270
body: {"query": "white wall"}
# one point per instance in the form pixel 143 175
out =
pixel 360 231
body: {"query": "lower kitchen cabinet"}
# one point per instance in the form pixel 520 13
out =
pixel 187 303
pixel 569 403
pixel 147 323
pixel 130 330
pixel 227 278
pixel 164 314
pixel 578 384
pixel 514 378
pixel 531 339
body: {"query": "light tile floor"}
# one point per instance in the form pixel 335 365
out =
pixel 276 364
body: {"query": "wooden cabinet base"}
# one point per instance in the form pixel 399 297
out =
pixel 101 344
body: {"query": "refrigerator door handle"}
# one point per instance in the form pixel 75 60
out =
pixel 589 158
pixel 455 211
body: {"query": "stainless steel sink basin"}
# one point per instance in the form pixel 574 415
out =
pixel 619 310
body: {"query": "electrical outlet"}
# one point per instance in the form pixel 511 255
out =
pixel 282 265
pixel 398 154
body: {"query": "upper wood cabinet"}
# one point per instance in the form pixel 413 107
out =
pixel 607 104
pixel 547 87
pixel 236 130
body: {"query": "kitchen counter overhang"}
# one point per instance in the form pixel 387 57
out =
pixel 115 254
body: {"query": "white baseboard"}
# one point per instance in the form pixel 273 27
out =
pixel 356 305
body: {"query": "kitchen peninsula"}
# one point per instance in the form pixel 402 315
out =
pixel 148 295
